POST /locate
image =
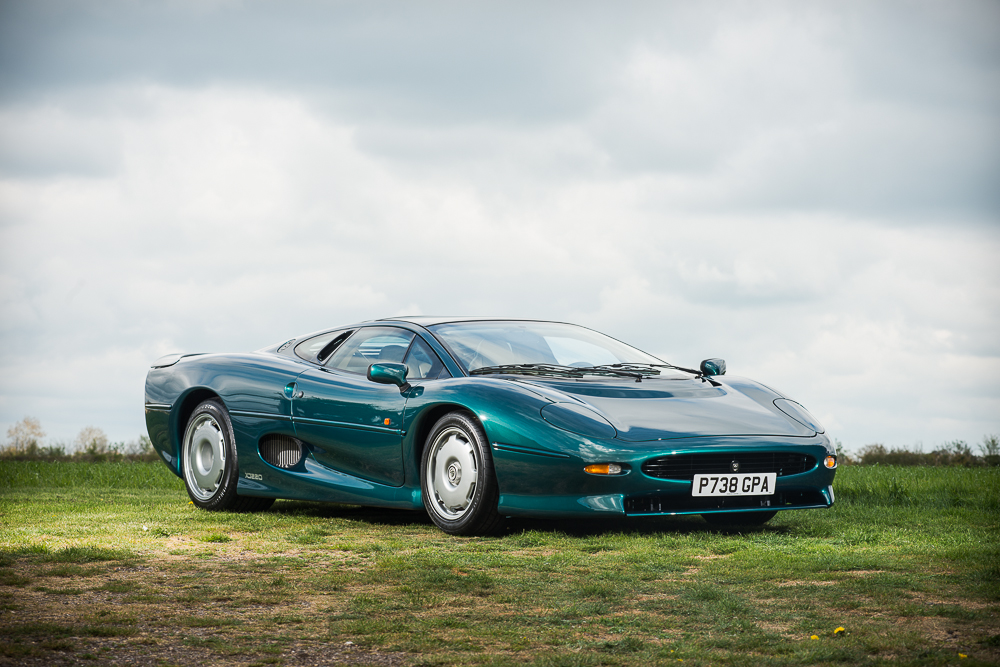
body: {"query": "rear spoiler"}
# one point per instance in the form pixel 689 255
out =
pixel 171 359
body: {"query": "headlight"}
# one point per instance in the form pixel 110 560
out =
pixel 798 413
pixel 578 419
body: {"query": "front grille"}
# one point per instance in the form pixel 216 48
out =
pixel 676 503
pixel 683 467
pixel 281 450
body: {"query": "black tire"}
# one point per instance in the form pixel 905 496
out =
pixel 739 519
pixel 209 465
pixel 457 503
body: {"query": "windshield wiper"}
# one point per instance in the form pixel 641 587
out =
pixel 564 371
pixel 637 371
pixel 647 368
pixel 698 375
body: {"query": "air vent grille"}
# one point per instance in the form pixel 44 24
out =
pixel 686 466
pixel 281 451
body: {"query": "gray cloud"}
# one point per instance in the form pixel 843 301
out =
pixel 882 108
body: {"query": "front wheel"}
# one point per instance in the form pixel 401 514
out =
pixel 457 481
pixel 208 458
pixel 739 519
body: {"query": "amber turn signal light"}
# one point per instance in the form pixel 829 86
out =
pixel 830 462
pixel 603 469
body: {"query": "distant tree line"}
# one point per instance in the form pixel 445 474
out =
pixel 25 442
pixel 954 453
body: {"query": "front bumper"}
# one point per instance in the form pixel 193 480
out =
pixel 549 486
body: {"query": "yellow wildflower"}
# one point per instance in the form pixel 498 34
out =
pixel 962 656
pixel 838 631
pixel 814 637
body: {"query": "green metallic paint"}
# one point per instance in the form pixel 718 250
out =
pixel 352 423
pixel 244 383
pixel 386 373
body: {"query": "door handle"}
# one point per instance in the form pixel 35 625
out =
pixel 291 393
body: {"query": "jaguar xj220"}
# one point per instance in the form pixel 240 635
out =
pixel 476 420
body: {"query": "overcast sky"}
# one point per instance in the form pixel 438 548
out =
pixel 808 190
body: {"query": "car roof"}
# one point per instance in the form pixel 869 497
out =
pixel 429 320
pixel 418 320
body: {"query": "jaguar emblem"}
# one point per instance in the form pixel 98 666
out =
pixel 735 465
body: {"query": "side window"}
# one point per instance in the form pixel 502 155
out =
pixel 318 348
pixel 422 363
pixel 371 346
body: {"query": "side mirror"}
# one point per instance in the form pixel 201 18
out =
pixel 711 367
pixel 388 374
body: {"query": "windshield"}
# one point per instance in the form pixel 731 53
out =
pixel 485 344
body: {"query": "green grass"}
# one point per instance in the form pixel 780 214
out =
pixel 907 561
pixel 73 475
pixel 924 487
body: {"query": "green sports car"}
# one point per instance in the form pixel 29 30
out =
pixel 476 420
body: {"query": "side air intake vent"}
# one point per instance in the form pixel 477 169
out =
pixel 281 451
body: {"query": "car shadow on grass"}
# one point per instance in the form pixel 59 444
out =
pixel 679 525
pixel 376 516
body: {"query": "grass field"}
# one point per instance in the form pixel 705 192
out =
pixel 105 563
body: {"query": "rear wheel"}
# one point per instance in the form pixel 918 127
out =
pixel 208 458
pixel 457 481
pixel 739 519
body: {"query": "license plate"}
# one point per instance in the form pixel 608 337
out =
pixel 746 484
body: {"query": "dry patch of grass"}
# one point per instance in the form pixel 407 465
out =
pixel 783 584
pixel 172 613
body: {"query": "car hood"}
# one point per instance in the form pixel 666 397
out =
pixel 666 409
